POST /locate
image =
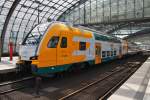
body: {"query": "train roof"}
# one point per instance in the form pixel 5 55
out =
pixel 101 36
pixel 109 38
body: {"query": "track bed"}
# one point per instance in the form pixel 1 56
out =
pixel 87 84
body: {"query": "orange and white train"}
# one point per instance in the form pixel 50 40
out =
pixel 56 47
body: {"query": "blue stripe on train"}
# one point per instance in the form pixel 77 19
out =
pixel 108 58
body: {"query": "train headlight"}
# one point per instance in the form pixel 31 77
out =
pixel 34 58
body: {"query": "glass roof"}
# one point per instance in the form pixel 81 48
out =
pixel 25 15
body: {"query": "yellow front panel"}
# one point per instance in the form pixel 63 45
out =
pixel 60 56
pixel 47 56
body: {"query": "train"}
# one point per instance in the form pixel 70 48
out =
pixel 55 47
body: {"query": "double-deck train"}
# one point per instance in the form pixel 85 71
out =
pixel 55 47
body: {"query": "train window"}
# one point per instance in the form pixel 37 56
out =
pixel 111 53
pixel 115 53
pixel 108 53
pixel 53 42
pixel 103 54
pixel 82 46
pixel 63 42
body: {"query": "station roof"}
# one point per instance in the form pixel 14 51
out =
pixel 138 33
pixel 18 17
pixel 140 38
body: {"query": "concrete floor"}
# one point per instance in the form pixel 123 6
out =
pixel 137 87
pixel 6 65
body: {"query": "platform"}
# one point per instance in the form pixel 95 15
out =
pixel 137 87
pixel 6 65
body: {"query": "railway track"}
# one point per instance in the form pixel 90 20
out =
pixel 5 84
pixel 115 87
pixel 81 86
pixel 127 71
pixel 12 76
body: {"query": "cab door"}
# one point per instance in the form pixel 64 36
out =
pixel 64 50
pixel 48 51
pixel 97 53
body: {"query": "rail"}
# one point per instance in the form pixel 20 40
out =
pixel 108 93
pixel 13 82
pixel 89 85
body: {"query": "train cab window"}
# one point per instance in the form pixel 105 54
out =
pixel 63 42
pixel 103 54
pixel 82 46
pixel 53 42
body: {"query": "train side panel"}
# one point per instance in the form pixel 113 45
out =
pixel 109 50
pixel 84 50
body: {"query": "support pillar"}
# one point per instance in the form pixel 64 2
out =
pixel 10 45
pixel 38 81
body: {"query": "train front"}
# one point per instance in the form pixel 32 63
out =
pixel 28 50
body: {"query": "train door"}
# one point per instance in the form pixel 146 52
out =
pixel 64 50
pixel 97 53
pixel 49 55
pixel 120 51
